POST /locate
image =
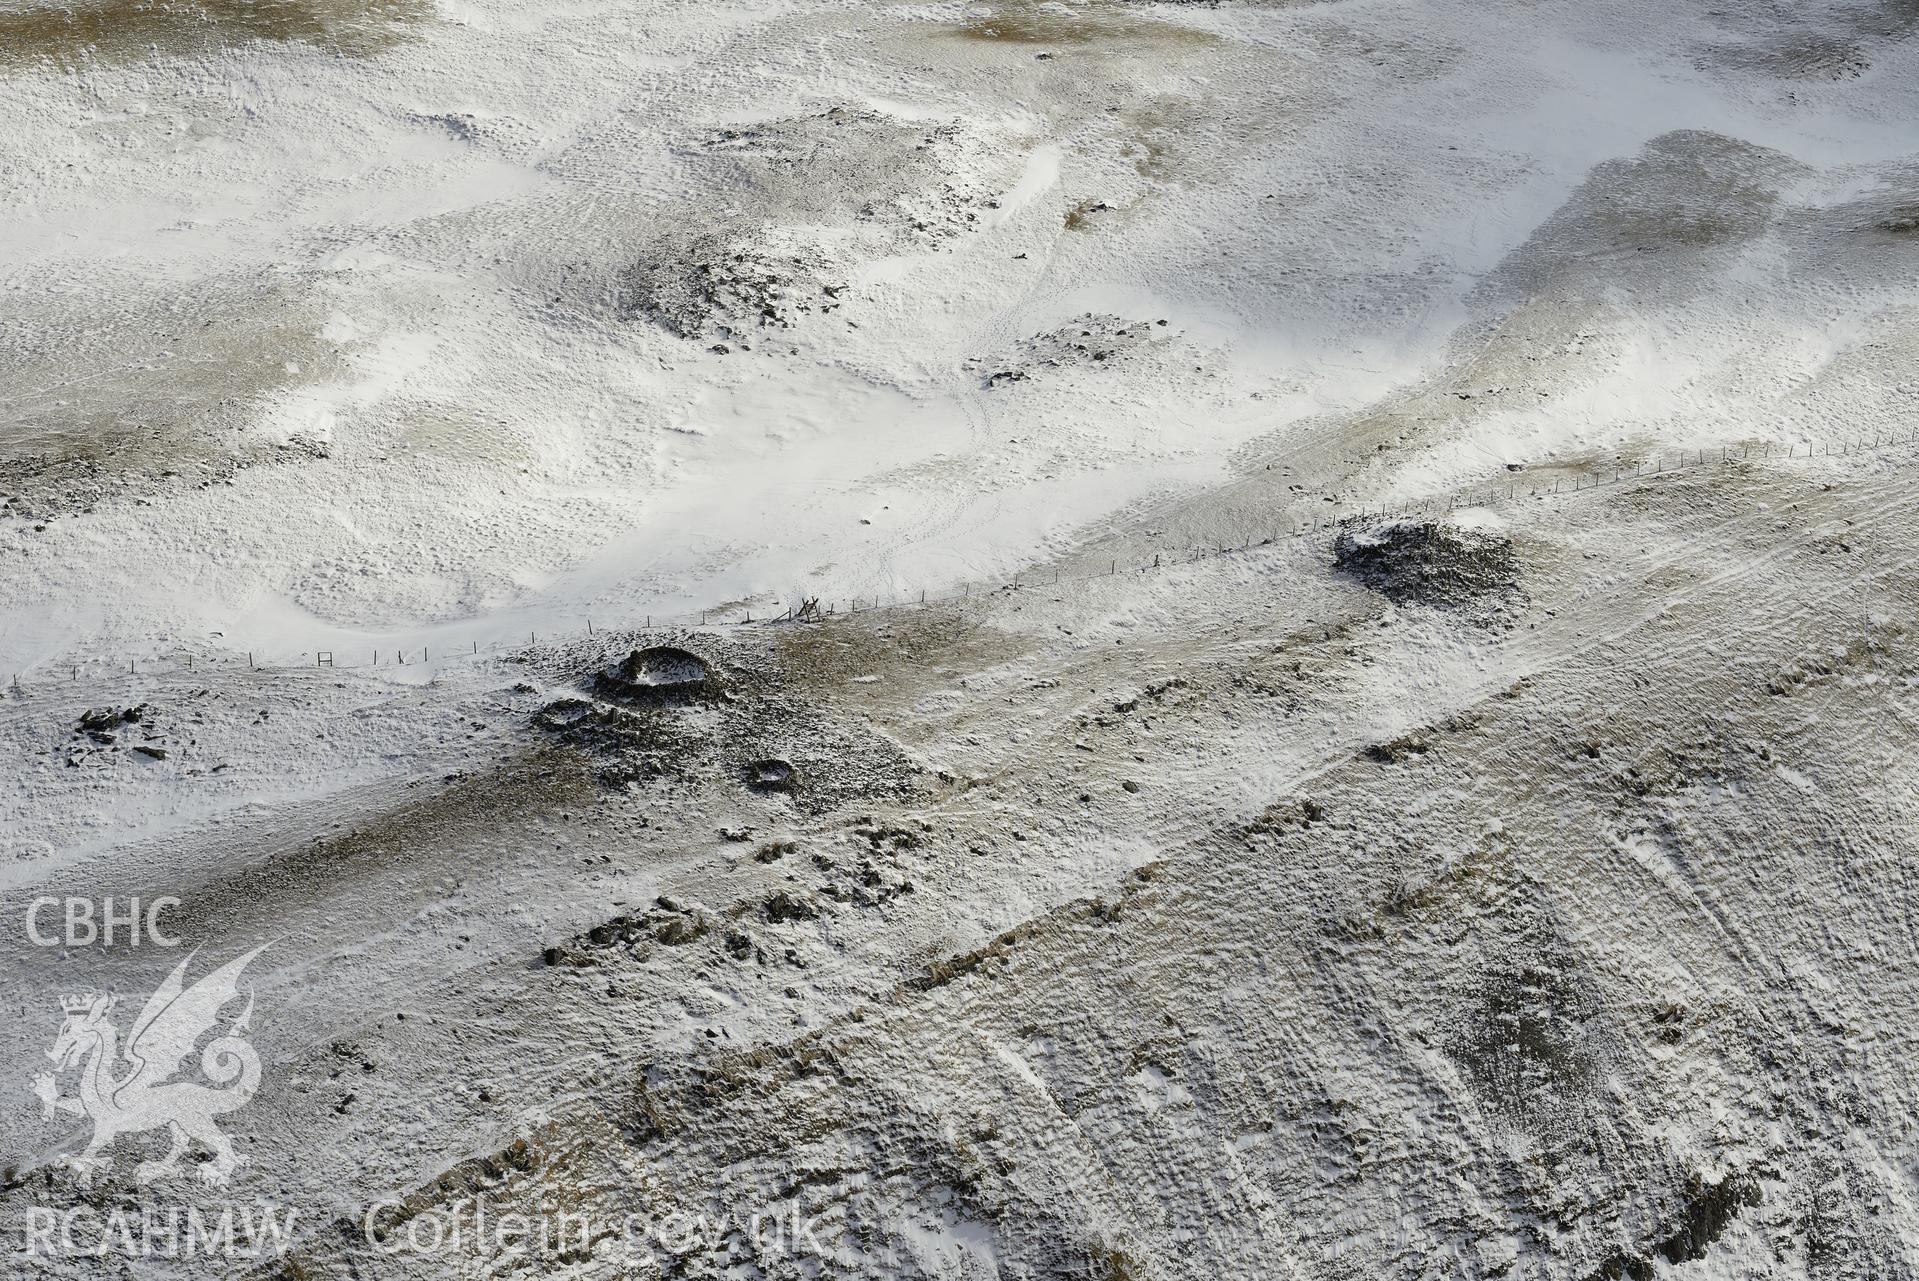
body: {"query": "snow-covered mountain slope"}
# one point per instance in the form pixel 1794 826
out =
pixel 1513 889
pixel 338 325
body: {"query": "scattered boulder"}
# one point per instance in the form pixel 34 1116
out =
pixel 1080 215
pixel 1399 749
pixel 783 907
pixel 771 775
pixel 905 183
pixel 1091 341
pixel 104 725
pixel 683 928
pixel 667 923
pixel 726 288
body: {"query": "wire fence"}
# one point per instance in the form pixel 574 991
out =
pixel 1296 527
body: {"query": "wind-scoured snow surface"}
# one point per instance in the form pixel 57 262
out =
pixel 333 322
pixel 1512 889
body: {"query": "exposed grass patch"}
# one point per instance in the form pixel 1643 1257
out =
pixel 127 29
pixel 1033 24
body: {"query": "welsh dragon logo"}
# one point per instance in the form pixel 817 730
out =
pixel 134 1090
